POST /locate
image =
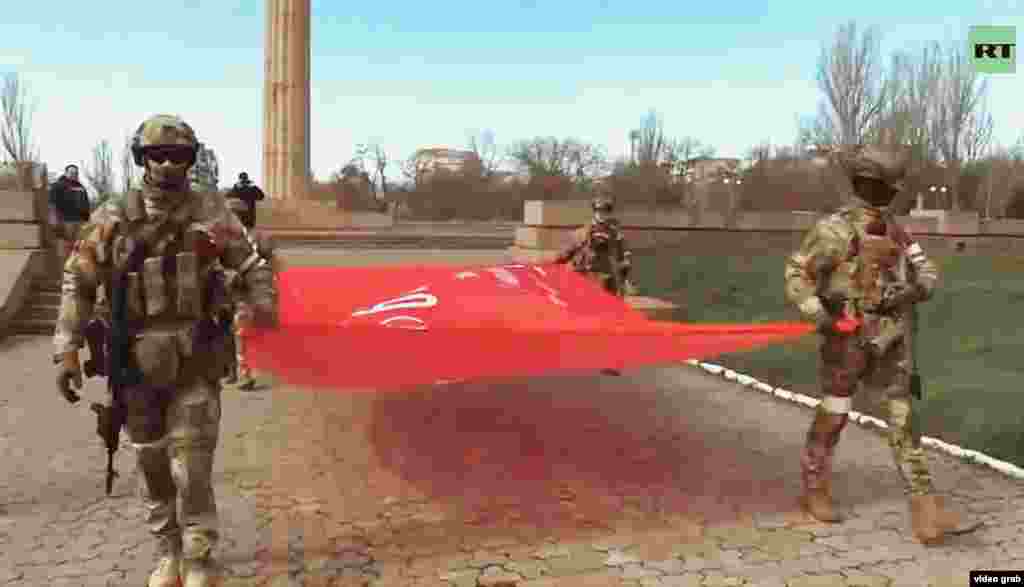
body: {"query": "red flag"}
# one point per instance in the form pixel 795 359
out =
pixel 386 327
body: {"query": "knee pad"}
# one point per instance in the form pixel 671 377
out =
pixel 152 451
pixel 899 413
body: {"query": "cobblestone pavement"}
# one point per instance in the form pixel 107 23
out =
pixel 664 477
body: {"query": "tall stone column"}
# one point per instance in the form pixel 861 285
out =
pixel 286 100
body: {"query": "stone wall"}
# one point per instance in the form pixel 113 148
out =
pixel 312 214
pixel 25 254
pixel 548 227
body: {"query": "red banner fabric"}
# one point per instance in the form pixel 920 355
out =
pixel 388 327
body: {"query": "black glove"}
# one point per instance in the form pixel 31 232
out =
pixel 69 374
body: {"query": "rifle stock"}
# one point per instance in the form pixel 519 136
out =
pixel 114 352
pixel 96 339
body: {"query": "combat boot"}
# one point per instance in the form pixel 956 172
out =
pixel 201 573
pixel 932 522
pixel 232 376
pixel 245 380
pixel 817 498
pixel 816 466
pixel 168 567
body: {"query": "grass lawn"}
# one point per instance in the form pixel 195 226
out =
pixel 970 350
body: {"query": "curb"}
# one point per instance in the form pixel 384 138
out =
pixel 1008 469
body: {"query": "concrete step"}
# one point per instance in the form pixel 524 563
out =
pixel 46 286
pixel 46 297
pixel 39 312
pixel 21 326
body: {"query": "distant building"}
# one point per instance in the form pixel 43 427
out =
pixel 435 159
pixel 711 169
pixel 714 181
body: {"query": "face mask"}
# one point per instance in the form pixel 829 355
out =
pixel 874 192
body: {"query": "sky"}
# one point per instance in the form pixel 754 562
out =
pixel 422 74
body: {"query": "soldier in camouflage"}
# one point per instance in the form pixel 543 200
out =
pixel 240 312
pixel 856 275
pixel 173 415
pixel 599 250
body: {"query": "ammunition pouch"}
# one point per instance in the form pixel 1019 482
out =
pixel 158 356
pixel 879 259
pixel 168 284
pixel 95 335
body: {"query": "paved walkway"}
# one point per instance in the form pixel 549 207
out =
pixel 664 477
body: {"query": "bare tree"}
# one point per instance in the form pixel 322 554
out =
pixel 850 74
pixel 414 169
pixel 682 155
pixel 915 79
pixel 759 153
pixel 100 173
pixel 960 93
pixel 651 144
pixel 380 163
pixel 553 157
pixel 977 135
pixel 128 168
pixel 16 120
pixel 486 151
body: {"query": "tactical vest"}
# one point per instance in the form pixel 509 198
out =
pixel 874 259
pixel 600 247
pixel 170 272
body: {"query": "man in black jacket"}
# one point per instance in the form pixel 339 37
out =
pixel 70 202
pixel 246 195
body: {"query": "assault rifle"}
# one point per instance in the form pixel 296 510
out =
pixel 110 348
pixel 887 338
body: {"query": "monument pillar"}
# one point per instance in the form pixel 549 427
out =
pixel 286 100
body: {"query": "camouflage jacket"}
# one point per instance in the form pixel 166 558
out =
pixel 847 255
pixel 595 246
pixel 224 241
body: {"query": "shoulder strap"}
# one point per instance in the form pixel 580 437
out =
pixel 149 234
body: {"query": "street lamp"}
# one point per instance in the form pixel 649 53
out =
pixel 732 181
pixel 940 189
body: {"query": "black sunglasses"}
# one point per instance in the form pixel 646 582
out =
pixel 176 156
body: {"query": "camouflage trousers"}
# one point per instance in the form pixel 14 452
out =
pixel 175 427
pixel 67 236
pixel 845 367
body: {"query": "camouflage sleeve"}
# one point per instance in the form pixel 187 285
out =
pixel 82 277
pixel 821 250
pixel 625 255
pixel 238 252
pixel 927 272
pixel 578 239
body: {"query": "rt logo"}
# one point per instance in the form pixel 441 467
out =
pixel 993 49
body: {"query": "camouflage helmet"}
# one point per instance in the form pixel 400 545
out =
pixel 888 164
pixel 163 130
